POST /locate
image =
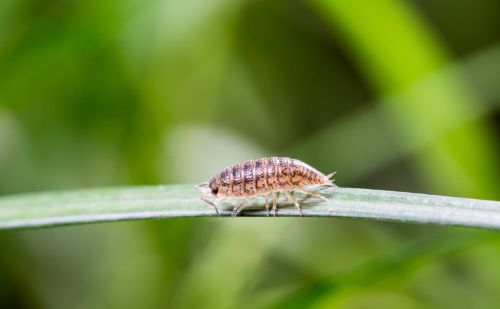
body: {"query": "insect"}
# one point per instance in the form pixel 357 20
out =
pixel 265 176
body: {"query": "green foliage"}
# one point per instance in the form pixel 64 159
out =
pixel 394 95
pixel 399 262
pixel 465 155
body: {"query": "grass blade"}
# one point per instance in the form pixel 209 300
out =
pixel 153 202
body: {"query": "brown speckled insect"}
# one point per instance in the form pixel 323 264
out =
pixel 266 176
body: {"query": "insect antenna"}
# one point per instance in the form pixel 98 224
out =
pixel 202 185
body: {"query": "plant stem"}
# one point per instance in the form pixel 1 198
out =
pixel 154 202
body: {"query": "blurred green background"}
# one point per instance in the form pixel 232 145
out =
pixel 398 95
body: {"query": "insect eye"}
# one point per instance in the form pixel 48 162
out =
pixel 215 191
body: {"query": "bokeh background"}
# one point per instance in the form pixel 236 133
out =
pixel 398 95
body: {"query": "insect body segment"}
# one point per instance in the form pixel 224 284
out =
pixel 266 176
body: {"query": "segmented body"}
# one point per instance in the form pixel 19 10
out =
pixel 263 177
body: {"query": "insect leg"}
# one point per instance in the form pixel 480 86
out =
pixel 293 200
pixel 267 204
pixel 236 208
pixel 244 204
pixel 205 199
pixel 275 203
pixel 312 194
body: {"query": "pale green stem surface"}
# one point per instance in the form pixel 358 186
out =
pixel 155 202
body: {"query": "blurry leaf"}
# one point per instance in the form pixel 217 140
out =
pixel 402 260
pixel 225 251
pixel 176 53
pixel 366 141
pixel 153 202
pixel 398 50
pixel 191 43
pixel 182 161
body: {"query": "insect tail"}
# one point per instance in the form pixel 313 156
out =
pixel 331 175
pixel 330 183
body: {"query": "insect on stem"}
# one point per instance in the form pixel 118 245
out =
pixel 264 176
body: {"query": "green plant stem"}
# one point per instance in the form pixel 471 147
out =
pixel 154 202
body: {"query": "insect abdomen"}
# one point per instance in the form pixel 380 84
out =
pixel 265 175
pixel 249 187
